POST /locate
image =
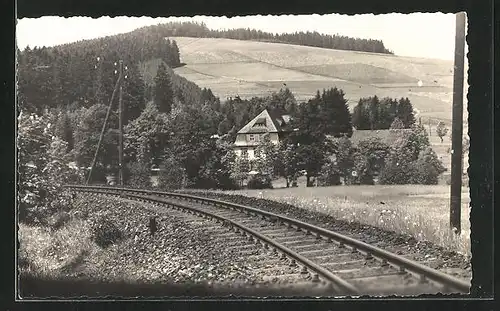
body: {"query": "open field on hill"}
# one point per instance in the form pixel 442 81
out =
pixel 417 210
pixel 248 68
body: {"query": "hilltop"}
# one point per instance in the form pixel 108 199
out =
pixel 247 68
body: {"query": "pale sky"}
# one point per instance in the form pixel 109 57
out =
pixel 429 35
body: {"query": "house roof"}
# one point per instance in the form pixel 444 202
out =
pixel 386 136
pixel 266 121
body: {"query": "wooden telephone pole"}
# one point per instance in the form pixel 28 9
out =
pixel 118 85
pixel 120 125
pixel 457 125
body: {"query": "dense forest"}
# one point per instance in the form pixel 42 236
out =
pixel 200 30
pixel 83 73
pixel 381 114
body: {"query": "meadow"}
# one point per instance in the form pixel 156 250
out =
pixel 416 210
pixel 248 68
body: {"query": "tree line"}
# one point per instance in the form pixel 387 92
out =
pixel 373 113
pixel 84 73
pixel 315 39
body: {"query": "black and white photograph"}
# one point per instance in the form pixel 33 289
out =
pixel 320 155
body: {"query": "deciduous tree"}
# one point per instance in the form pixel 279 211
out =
pixel 216 171
pixel 441 130
pixel 172 175
pixel 146 136
pixel 428 167
pixel 87 138
pixel 43 168
pixel 267 157
pixel 240 168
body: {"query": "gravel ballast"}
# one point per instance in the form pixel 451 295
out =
pixel 184 251
pixel 423 252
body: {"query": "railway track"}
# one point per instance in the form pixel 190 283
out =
pixel 318 256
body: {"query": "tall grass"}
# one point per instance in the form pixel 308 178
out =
pixel 46 252
pixel 418 211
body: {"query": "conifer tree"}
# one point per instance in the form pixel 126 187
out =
pixel 174 50
pixel 360 117
pixel 405 112
pixel 64 130
pixel 335 113
pixel 163 92
pixel 134 97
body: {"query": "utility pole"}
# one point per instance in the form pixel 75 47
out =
pixel 120 125
pixel 457 125
pixel 117 86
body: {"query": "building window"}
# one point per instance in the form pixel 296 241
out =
pixel 251 137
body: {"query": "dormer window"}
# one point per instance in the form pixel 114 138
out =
pixel 261 122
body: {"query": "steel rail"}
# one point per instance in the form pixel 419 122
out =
pixel 342 285
pixel 400 262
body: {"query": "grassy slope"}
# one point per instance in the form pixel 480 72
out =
pixel 248 68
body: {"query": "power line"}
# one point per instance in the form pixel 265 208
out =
pixel 118 82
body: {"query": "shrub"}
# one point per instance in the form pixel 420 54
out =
pixel 98 175
pixel 171 175
pixel 329 175
pixel 240 168
pixel 428 168
pixel 369 159
pixel 365 178
pixel 43 167
pixel 260 181
pixel 215 173
pixel 104 232
pixel 138 175
pixel 405 160
pixel 425 174
pixel 58 220
pixel 397 171
pixel 397 124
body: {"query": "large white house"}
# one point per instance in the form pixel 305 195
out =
pixel 266 123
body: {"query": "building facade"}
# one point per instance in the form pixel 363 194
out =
pixel 266 123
